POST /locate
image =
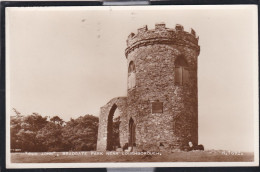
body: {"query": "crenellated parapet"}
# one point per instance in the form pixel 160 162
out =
pixel 162 35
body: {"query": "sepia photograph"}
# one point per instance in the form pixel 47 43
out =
pixel 132 86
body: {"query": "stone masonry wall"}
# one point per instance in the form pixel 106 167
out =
pixel 154 63
pixel 120 102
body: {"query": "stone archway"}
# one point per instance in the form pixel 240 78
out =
pixel 108 112
pixel 112 130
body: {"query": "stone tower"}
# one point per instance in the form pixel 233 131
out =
pixel 161 107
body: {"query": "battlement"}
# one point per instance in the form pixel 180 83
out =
pixel 162 35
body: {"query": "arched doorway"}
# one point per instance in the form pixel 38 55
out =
pixel 113 130
pixel 131 133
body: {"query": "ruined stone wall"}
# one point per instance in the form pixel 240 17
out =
pixel 120 103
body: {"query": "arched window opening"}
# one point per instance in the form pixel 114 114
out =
pixel 131 75
pixel 181 71
pixel 131 67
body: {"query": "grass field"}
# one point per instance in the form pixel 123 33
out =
pixel 83 157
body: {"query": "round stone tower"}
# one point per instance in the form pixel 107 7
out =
pixel 162 95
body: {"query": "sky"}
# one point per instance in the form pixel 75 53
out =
pixel 70 61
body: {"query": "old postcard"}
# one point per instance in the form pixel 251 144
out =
pixel 132 86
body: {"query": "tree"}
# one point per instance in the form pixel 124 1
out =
pixel 15 127
pixel 35 133
pixel 50 137
pixel 26 136
pixel 35 122
pixel 16 112
pixel 81 134
pixel 57 120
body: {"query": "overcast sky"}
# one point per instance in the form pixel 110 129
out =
pixel 70 62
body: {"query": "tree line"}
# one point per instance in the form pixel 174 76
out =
pixel 37 133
